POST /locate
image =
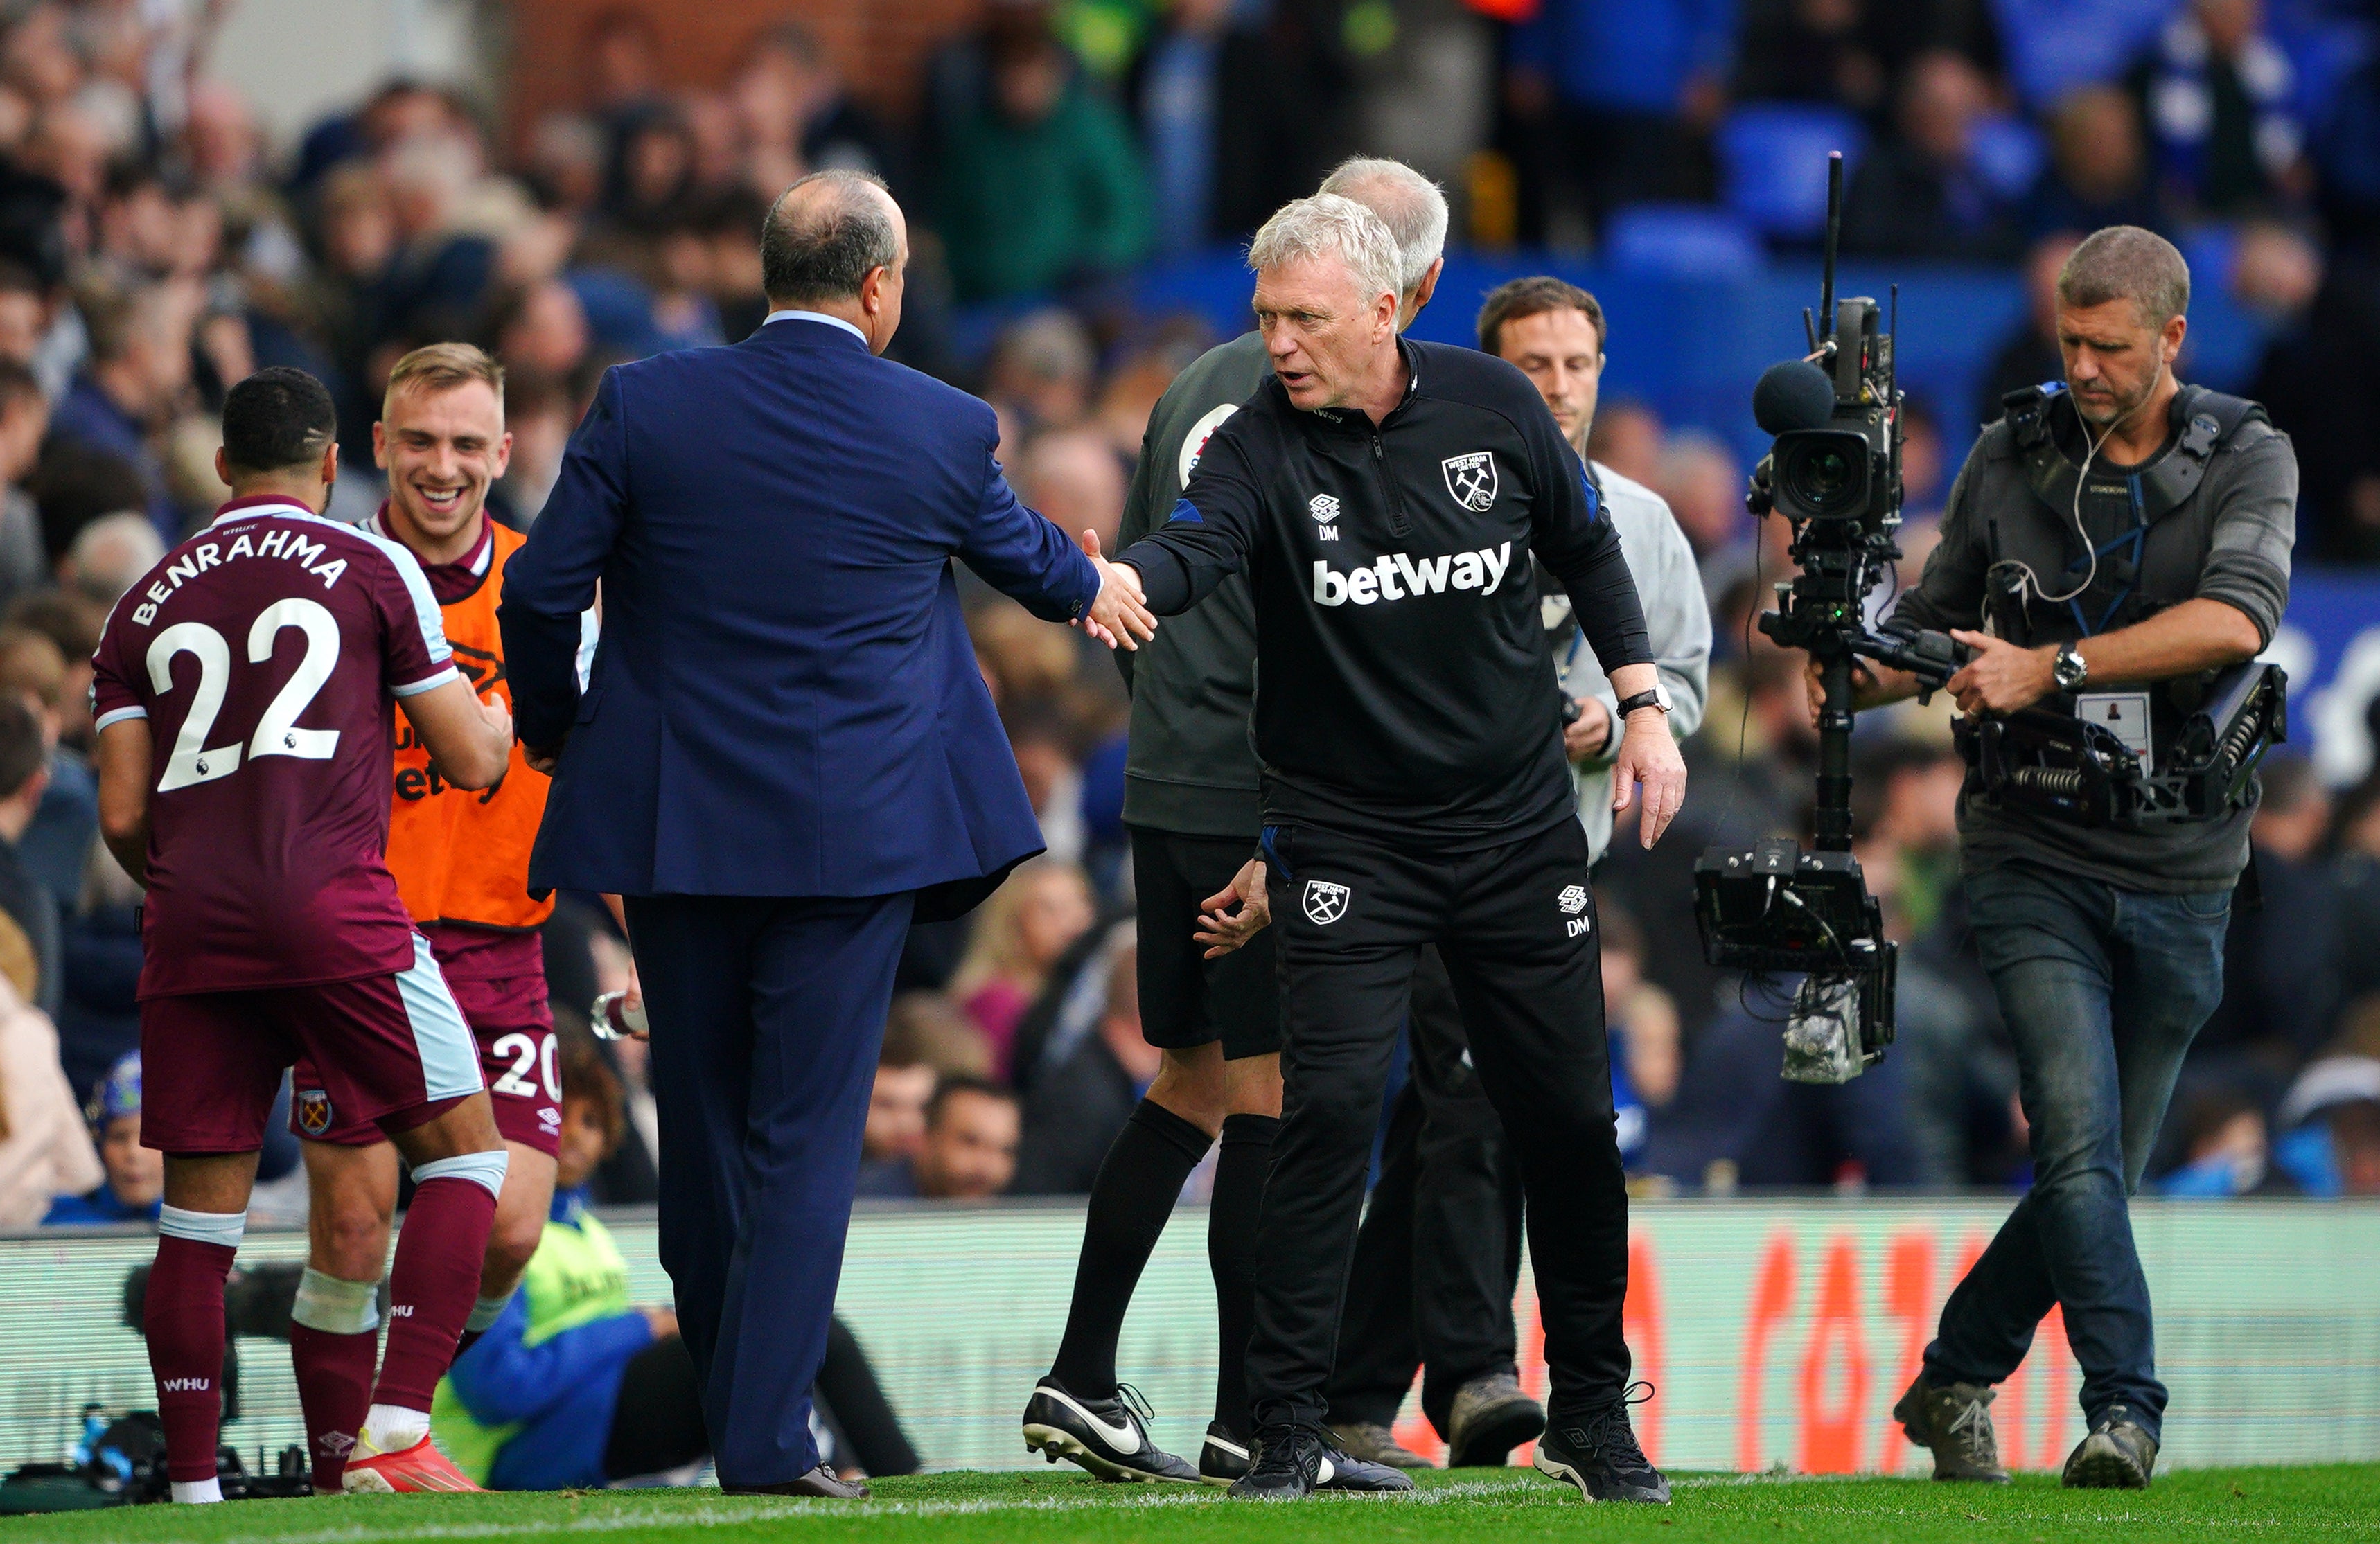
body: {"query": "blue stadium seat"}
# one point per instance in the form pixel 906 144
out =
pixel 1773 164
pixel 2056 45
pixel 1681 241
pixel 2010 151
pixel 2213 253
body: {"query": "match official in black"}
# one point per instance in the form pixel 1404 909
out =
pixel 1385 498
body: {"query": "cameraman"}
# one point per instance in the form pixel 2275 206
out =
pixel 2131 532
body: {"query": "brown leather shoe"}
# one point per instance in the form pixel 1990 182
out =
pixel 820 1481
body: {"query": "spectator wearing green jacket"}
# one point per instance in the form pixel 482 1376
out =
pixel 1042 183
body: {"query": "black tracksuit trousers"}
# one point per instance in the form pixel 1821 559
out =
pixel 1440 1254
pixel 1515 924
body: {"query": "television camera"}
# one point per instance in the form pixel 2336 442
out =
pixel 1833 475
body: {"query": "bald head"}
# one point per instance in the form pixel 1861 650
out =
pixel 1408 203
pixel 825 236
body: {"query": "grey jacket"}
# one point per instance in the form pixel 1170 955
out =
pixel 1677 623
pixel 1189 766
pixel 2221 524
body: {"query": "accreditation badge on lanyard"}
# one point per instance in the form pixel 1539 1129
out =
pixel 2124 715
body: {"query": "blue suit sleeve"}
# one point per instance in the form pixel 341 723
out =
pixel 500 1380
pixel 551 581
pixel 1024 554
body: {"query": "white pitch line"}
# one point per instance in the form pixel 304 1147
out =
pixel 737 1514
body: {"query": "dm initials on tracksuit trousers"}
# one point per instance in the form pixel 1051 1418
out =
pixel 1515 924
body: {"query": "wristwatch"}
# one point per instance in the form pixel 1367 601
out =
pixel 2069 669
pixel 1657 698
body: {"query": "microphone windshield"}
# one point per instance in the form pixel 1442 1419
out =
pixel 1793 393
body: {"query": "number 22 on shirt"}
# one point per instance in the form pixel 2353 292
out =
pixel 193 761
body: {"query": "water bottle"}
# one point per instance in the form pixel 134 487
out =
pixel 614 1019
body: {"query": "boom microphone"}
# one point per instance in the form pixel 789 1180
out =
pixel 1793 394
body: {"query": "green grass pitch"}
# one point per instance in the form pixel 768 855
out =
pixel 2334 1502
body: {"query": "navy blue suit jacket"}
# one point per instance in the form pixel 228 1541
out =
pixel 784 700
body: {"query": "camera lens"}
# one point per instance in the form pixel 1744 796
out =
pixel 1824 479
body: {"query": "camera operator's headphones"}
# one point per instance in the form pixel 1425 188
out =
pixel 2212 420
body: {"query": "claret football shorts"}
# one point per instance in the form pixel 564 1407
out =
pixel 390 1052
pixel 513 1028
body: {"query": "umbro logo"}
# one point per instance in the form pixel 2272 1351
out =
pixel 1326 902
pixel 1574 899
pixel 1322 506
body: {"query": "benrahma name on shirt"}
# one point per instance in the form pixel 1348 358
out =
pixel 288 544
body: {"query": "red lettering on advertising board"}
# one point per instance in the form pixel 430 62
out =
pixel 2035 1398
pixel 1908 1298
pixel 2058 1379
pixel 2007 1422
pixel 1772 1300
pixel 1640 1316
pixel 1831 1431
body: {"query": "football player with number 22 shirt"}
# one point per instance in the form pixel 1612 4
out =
pixel 243 695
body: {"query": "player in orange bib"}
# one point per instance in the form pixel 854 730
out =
pixel 461 862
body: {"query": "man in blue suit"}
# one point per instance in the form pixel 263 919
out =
pixel 784 755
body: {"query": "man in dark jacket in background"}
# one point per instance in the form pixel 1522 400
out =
pixel 1078 1108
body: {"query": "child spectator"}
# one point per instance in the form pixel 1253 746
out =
pixel 1642 1022
pixel 135 1182
pixel 574 1385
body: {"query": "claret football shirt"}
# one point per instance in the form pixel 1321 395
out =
pixel 266 653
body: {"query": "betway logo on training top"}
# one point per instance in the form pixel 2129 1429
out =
pixel 1399 574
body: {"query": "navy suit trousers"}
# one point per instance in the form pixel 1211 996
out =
pixel 767 1016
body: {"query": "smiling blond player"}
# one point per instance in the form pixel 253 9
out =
pixel 461 862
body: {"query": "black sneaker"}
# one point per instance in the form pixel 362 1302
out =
pixel 1598 1452
pixel 1222 1458
pixel 2118 1455
pixel 1953 1421
pixel 1107 1437
pixel 1286 1465
pixel 1299 1461
pixel 1342 1471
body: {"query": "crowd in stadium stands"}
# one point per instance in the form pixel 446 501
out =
pixel 155 247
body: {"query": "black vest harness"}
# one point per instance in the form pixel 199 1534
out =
pixel 2149 564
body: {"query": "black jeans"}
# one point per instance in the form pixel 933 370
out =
pixel 1515 924
pixel 1440 1254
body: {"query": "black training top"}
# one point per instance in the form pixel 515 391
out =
pixel 1405 690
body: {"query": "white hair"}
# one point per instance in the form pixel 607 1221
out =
pixel 1329 226
pixel 1408 203
pixel 109 553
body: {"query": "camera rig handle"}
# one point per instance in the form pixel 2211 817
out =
pixel 1932 658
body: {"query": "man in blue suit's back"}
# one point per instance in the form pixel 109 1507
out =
pixel 785 754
